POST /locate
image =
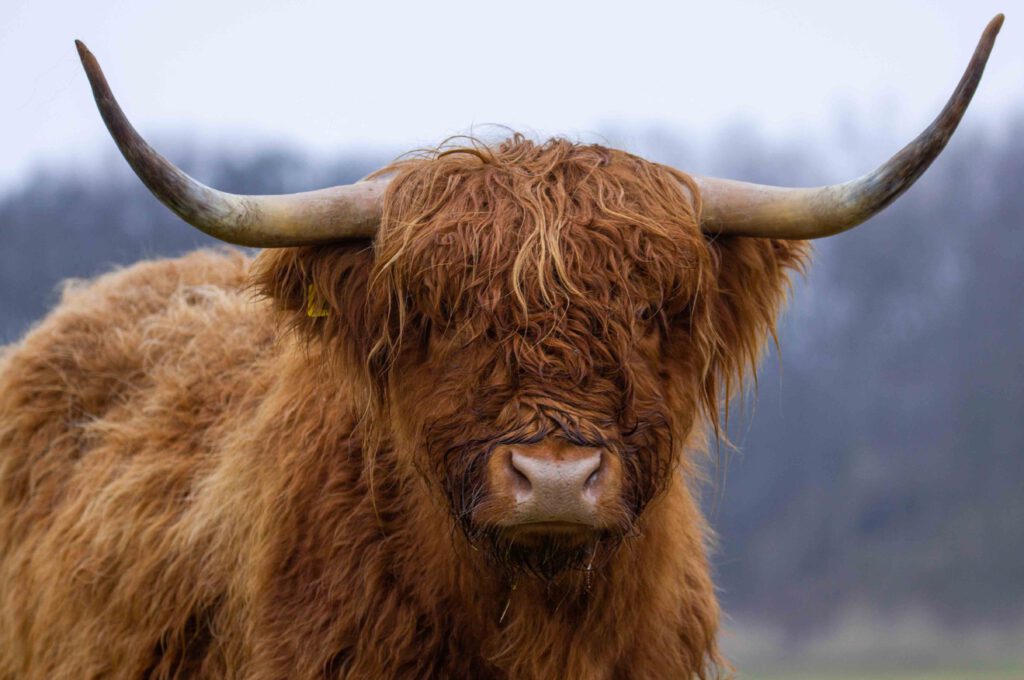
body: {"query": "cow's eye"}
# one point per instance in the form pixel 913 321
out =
pixel 648 313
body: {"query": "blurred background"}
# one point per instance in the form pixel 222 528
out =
pixel 871 515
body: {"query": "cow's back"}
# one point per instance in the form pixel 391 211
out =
pixel 110 413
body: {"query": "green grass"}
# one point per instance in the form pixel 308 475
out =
pixel 1007 672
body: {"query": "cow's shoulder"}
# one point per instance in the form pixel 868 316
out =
pixel 144 359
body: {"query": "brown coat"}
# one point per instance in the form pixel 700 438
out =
pixel 200 481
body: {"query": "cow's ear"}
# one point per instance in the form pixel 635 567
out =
pixel 752 279
pixel 320 290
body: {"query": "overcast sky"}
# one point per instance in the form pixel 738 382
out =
pixel 335 75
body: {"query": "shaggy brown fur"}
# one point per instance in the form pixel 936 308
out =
pixel 187 491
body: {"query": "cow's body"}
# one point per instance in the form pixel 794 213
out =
pixel 182 492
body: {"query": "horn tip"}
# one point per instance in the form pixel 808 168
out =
pixel 994 25
pixel 88 59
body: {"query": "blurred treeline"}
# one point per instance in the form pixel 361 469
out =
pixel 881 463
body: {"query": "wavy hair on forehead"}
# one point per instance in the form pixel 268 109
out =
pixel 532 196
pixel 527 234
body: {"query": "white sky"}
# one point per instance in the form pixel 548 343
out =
pixel 335 75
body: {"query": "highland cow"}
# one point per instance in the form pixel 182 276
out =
pixel 457 432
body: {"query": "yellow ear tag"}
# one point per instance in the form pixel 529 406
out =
pixel 315 306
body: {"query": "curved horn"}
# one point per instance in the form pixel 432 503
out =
pixel 328 215
pixel 743 209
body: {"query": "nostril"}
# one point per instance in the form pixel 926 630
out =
pixel 520 478
pixel 593 479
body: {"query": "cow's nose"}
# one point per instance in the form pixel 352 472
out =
pixel 557 483
pixel 563 480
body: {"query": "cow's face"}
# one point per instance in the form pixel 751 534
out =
pixel 540 358
pixel 542 327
